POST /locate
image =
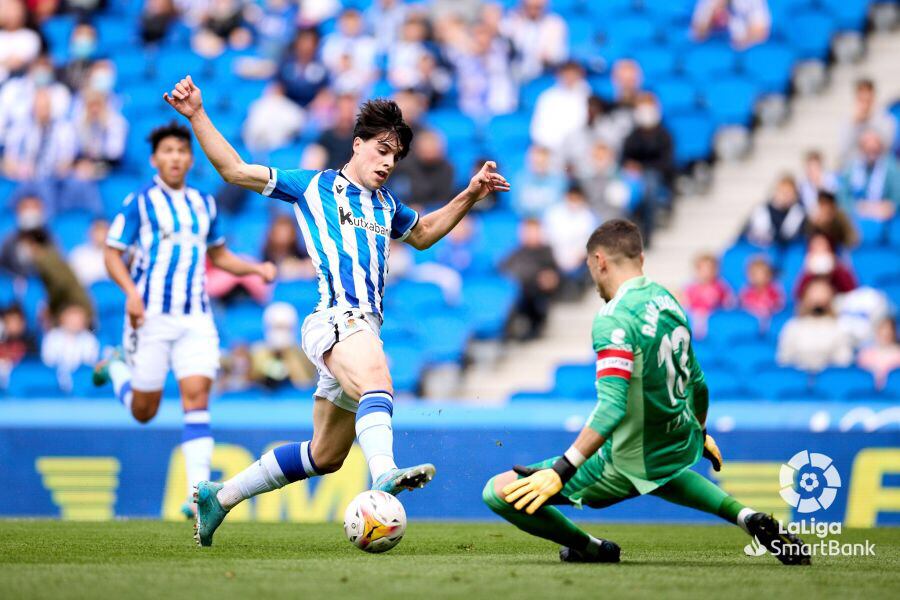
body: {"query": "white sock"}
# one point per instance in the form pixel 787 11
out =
pixel 742 518
pixel 120 374
pixel 262 476
pixel 197 446
pixel 374 432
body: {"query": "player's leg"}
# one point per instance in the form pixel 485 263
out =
pixel 549 523
pixel 196 435
pixel 357 361
pixel 695 491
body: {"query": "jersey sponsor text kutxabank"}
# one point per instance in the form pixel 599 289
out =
pixel 646 374
pixel 347 231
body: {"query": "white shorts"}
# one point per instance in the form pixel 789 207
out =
pixel 188 344
pixel 320 332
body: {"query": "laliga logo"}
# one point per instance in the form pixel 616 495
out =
pixel 809 481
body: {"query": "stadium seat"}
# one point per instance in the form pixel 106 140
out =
pixel 115 34
pixel 770 66
pixel 779 384
pixel 876 266
pixel 705 63
pixel 892 291
pixel 508 133
pixel 498 236
pixel 733 265
pixel 243 322
pixel 405 362
pixel 676 95
pixel 810 34
pixel 672 13
pixel 529 92
pixel 845 383
pixel 725 385
pixel 750 355
pixel 632 31
pixel 872 232
pixel 70 228
pixel 108 298
pixel 892 387
pixel 894 232
pixel 7 290
pixel 731 100
pixel 83 385
pixel 849 15
pixel 575 382
pixel 31 379
pixel 303 295
pixel 115 188
pixel 726 328
pixel 489 301
pixel 693 136
pixel 415 297
pixel 446 333
pixel 456 127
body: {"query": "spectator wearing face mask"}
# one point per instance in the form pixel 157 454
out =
pixel 821 262
pixel 82 53
pixel 30 251
pixel 278 361
pixel 779 221
pixel 648 152
pixel 813 340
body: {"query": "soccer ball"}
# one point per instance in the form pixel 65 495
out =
pixel 375 521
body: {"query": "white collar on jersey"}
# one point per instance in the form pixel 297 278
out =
pixel 168 188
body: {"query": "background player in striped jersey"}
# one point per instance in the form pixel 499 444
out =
pixel 649 425
pixel 171 229
pixel 347 218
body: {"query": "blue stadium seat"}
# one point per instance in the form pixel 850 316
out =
pixel 7 291
pixel 849 15
pixel 655 61
pixel 133 67
pixel 845 383
pixel 70 228
pixel 671 13
pixel 246 233
pixel 529 92
pixel 576 382
pixel 693 136
pixel 416 297
pixel 456 127
pixel 603 12
pixel 405 362
pixel 779 384
pixel 115 34
pixel 33 301
pixel 892 386
pixel 287 157
pixel 704 63
pixel 632 31
pixel 108 298
pixel 731 100
pixel 508 133
pixel 876 266
pixel 497 237
pixel 83 385
pixel 788 264
pixel 770 66
pixel 115 188
pixel 872 232
pixel 750 355
pixel 810 34
pixel 174 63
pixel 447 334
pixel 303 295
pixel 57 30
pixel 243 322
pixel 892 291
pixel 528 396
pixel 724 384
pixel 489 301
pixel 31 379
pixel 733 264
pixel 894 232
pixel 676 95
pixel 601 85
pixel 727 328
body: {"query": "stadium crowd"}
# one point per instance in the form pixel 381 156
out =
pixel 581 131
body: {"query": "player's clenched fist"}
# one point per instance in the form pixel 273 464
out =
pixel 134 308
pixel 185 97
pixel 531 492
pixel 711 452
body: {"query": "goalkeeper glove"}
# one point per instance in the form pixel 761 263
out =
pixel 533 491
pixel 711 451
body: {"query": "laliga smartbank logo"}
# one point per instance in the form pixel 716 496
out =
pixel 809 482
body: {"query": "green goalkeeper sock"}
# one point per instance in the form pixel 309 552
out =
pixel 547 522
pixel 694 490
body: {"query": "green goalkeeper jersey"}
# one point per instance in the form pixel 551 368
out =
pixel 650 389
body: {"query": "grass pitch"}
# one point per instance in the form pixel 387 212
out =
pixel 151 559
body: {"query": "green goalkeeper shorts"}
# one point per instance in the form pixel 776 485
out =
pixel 596 484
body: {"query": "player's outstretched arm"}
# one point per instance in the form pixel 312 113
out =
pixel 534 490
pixel 226 260
pixel 433 226
pixel 187 100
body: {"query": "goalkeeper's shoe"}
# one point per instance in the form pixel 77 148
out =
pixel 789 549
pixel 599 551
pixel 210 513
pixel 100 376
pixel 409 478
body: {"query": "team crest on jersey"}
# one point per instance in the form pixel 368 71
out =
pixel 382 199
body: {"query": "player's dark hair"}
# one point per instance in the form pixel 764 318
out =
pixel 619 237
pixel 170 129
pixel 383 118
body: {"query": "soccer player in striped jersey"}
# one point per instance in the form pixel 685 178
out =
pixel 649 425
pixel 169 229
pixel 347 218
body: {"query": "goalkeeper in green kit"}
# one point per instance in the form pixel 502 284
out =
pixel 648 428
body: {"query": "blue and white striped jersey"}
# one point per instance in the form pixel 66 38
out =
pixel 170 231
pixel 347 231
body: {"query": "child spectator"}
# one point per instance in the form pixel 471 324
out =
pixel 781 220
pixel 882 356
pixel 821 261
pixel 708 292
pixel 70 345
pixel 814 340
pixel 762 297
pixel 86 259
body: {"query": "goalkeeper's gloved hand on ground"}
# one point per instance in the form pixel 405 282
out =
pixel 711 451
pixel 533 491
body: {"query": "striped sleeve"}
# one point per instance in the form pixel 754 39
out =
pixel 215 236
pixel 123 231
pixel 288 184
pixel 404 220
